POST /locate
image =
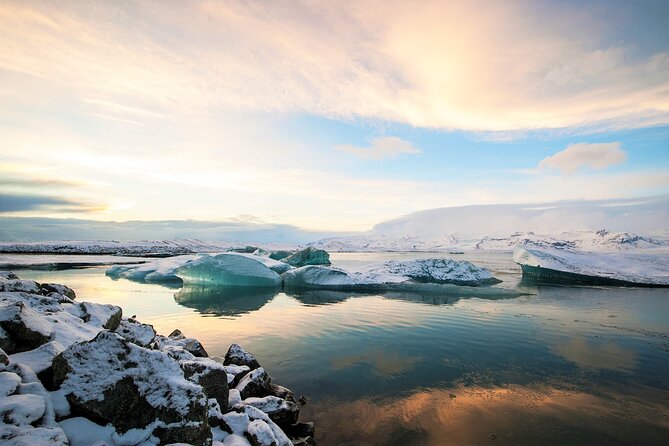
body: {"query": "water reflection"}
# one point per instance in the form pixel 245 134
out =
pixel 516 415
pixel 224 301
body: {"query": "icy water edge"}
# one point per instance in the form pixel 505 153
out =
pixel 561 365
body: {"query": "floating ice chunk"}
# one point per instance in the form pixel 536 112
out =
pixel 596 268
pixel 313 276
pixel 229 270
pixel 443 271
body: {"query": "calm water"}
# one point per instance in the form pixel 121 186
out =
pixel 561 365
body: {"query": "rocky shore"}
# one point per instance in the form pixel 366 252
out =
pixel 79 373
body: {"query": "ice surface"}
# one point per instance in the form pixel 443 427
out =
pixel 317 277
pixel 228 270
pixel 634 267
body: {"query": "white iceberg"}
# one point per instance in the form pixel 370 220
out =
pixel 596 268
pixel 391 274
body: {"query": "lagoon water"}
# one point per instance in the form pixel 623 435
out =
pixel 558 365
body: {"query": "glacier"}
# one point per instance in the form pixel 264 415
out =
pixel 565 265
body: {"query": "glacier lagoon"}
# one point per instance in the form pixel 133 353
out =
pixel 578 365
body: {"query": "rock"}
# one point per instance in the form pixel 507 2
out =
pixel 300 430
pixel 8 383
pixel 255 383
pixel 7 275
pixel 136 332
pixel 279 255
pixel 211 376
pixel 25 328
pixel 238 356
pixel 18 285
pixel 282 392
pixel 40 359
pixel 111 380
pixel 308 256
pixel 108 316
pixel 304 441
pixel 282 412
pixel 234 398
pixel 302 400
pixel 6 344
pixel 22 409
pixel 260 434
pixel 191 345
pixel 47 288
pixel 26 413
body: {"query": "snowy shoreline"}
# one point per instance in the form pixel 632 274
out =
pixel 79 373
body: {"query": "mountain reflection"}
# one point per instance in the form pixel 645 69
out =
pixel 224 301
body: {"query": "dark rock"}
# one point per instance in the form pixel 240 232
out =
pixel 238 356
pixel 136 332
pixel 302 400
pixel 256 383
pixel 304 441
pixel 191 345
pixel 110 380
pixel 18 285
pixel 47 288
pixel 308 256
pixel 282 412
pixel 282 392
pixel 299 430
pixel 25 328
pixel 109 316
pixel 211 376
pixel 4 359
pixel 260 434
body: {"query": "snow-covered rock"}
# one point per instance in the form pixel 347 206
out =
pixel 26 412
pixel 131 387
pixel 47 288
pixel 256 383
pixel 26 286
pixel 280 411
pixel 604 268
pixel 25 328
pixel 236 355
pixel 136 332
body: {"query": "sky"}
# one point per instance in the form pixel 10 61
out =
pixel 327 116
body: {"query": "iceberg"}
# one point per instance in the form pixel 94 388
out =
pixel 308 256
pixel 228 270
pixel 620 268
pixel 428 274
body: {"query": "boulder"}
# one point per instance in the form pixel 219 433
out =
pixel 111 380
pixel 47 288
pixel 282 412
pixel 18 285
pixel 210 375
pixel 136 332
pixel 24 328
pixel 308 256
pixel 255 383
pixel 260 434
pixel 236 373
pixel 4 359
pixel 108 316
pixel 238 356
pixel 26 411
pixel 191 345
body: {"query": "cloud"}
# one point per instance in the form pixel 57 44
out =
pixel 595 156
pixel 472 65
pixel 10 203
pixel 381 148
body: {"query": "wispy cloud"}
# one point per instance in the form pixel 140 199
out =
pixel 381 148
pixel 595 156
pixel 520 68
pixel 13 203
